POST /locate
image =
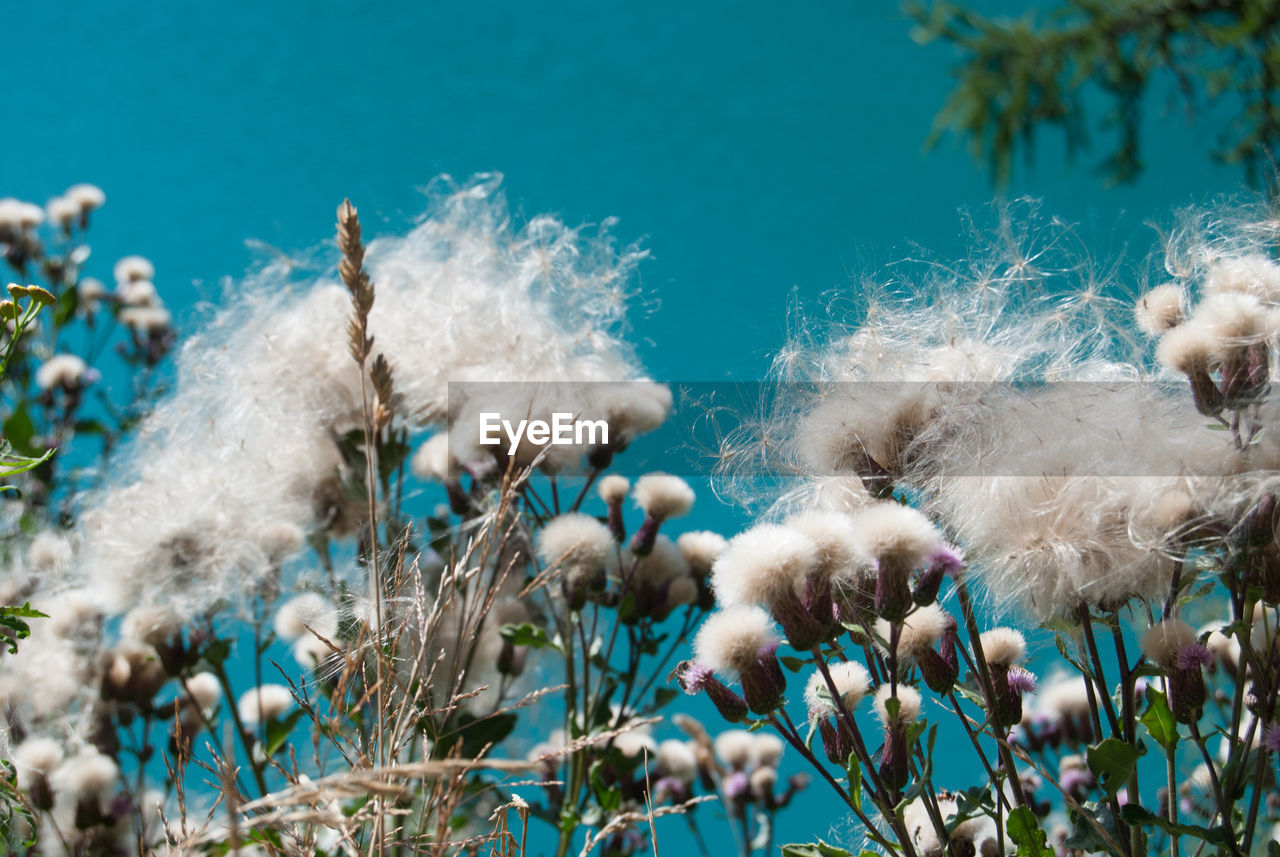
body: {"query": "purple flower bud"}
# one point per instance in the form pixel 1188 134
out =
pixel 1021 681
pixel 1204 392
pixel 615 522
pixel 941 668
pixel 837 740
pixel 1187 694
pixel 893 595
pixel 804 630
pixel 1193 657
pixel 671 789
pixel 642 542
pixel 928 582
pixel 1006 684
pixel 895 758
pixel 764 683
pixel 737 786
pixel 694 677
pixel 1076 782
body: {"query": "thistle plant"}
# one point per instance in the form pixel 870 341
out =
pixel 1007 442
pixel 310 613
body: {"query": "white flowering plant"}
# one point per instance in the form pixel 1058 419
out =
pixel 1003 432
pixel 308 613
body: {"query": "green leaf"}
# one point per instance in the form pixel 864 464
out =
pixel 217 652
pixel 1112 762
pixel 815 849
pixel 1159 720
pixel 791 663
pixel 608 796
pixel 477 733
pixel 1025 832
pixel 19 431
pixel 278 730
pixel 11 619
pixel 1134 814
pixel 525 634
pixel 855 782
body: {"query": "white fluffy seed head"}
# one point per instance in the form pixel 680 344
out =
pixel 138 294
pixel 1003 647
pixel 134 268
pixel 433 460
pixel 576 540
pixel 898 535
pixel 1231 319
pixel 735 748
pixel 1161 309
pixel 766 750
pixel 204 690
pixel 701 549
pixel 1186 348
pixel 61 371
pixel 676 759
pixel 1168 511
pixel 635 744
pixel 30 215
pixel 154 626
pixel 730 639
pixel 86 774
pixel 264 703
pixel 920 630
pixel 280 540
pixel 760 565
pixel 683 590
pixel 146 319
pixel 852 682
pixel 62 211
pixel 91 289
pixel 836 537
pixel 311 652
pixel 613 488
pixel 86 196
pixel 909 702
pixel 36 758
pixel 1162 642
pixel 306 614
pixel 664 562
pixel 1252 274
pixel 1065 696
pixel 662 496
pixel 845 494
pixel 50 552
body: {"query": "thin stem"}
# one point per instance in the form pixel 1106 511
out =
pixel 793 738
pixel 984 677
pixel 1099 677
pixel 1170 756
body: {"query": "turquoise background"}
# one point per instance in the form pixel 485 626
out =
pixel 754 148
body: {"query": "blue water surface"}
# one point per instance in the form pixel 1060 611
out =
pixel 754 147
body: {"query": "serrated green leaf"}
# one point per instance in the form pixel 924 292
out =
pixel 1112 761
pixel 1025 832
